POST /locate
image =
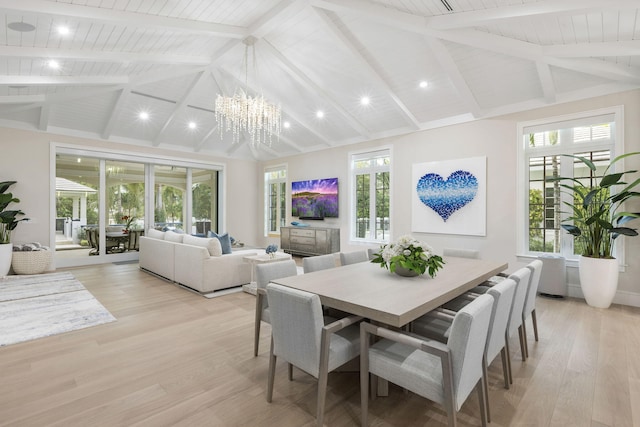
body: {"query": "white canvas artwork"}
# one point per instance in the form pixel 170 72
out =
pixel 450 197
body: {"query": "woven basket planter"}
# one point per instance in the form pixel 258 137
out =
pixel 30 262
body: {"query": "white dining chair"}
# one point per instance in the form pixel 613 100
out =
pixel 461 253
pixel 265 273
pixel 529 309
pixel 444 373
pixel 347 258
pixel 317 263
pixel 300 336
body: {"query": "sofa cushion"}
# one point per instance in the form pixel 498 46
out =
pixel 155 234
pixel 225 241
pixel 212 244
pixel 173 236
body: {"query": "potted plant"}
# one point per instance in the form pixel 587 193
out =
pixel 408 257
pixel 596 222
pixel 8 222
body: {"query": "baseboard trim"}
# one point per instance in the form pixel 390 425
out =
pixel 622 297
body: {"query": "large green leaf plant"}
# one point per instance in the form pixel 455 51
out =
pixel 8 217
pixel 596 219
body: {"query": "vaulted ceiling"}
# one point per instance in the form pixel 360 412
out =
pixel 170 58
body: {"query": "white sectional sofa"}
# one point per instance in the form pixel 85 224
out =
pixel 195 262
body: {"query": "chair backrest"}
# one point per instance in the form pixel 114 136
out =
pixel 320 262
pixel 133 243
pixel 92 237
pixel 372 253
pixel 296 326
pixel 466 342
pixel 461 253
pixel 502 294
pixel 530 301
pixel 521 277
pixel 347 258
pixel 265 273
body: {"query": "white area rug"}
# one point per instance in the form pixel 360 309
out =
pixel 46 304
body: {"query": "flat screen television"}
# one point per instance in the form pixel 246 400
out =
pixel 315 199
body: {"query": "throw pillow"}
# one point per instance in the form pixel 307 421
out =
pixel 224 239
pixel 212 244
pixel 155 234
pixel 173 236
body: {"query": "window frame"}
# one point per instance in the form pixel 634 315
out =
pixel 280 198
pixel 359 155
pixel 524 153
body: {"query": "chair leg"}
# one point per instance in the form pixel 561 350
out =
pixel 484 404
pixel 485 386
pixel 522 344
pixel 535 323
pixel 256 340
pixel 524 338
pixel 506 347
pixel 290 369
pixel 364 378
pixel 505 368
pixel 272 373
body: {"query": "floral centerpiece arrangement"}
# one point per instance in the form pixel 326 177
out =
pixel 409 257
pixel 271 250
pixel 127 222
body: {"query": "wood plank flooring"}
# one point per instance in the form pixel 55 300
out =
pixel 174 358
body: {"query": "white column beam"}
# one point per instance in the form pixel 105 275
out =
pixel 44 117
pixel 546 82
pixel 115 112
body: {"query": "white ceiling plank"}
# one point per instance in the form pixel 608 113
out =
pixel 180 105
pixel 290 143
pixel 44 117
pixel 204 139
pixel 546 82
pixel 100 56
pixel 137 20
pixel 585 50
pixel 64 80
pixel 267 22
pixel 115 112
pixel 22 99
pixel 598 68
pixel 348 42
pixel 293 71
pixel 453 72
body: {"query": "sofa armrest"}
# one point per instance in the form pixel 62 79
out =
pixel 189 262
pixel 157 256
pixel 227 271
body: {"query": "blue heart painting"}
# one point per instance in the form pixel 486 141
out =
pixel 447 196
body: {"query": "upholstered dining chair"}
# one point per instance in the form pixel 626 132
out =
pixel 300 337
pixel 355 257
pixel 316 263
pixel 264 274
pixel 444 373
pixel 461 253
pixel 530 301
pixel 437 325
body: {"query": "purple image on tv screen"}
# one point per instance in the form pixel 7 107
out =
pixel 315 198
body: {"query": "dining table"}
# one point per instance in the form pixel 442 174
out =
pixel 366 290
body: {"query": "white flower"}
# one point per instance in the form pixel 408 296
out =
pixel 406 252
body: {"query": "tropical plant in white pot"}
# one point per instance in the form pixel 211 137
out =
pixel 596 221
pixel 8 222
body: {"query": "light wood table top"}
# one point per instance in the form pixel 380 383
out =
pixel 367 290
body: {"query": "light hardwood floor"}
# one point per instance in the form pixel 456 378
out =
pixel 174 358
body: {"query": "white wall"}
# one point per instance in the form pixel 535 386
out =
pixel 25 157
pixel 496 139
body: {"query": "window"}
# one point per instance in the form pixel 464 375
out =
pixel 275 202
pixel 543 151
pixel 370 196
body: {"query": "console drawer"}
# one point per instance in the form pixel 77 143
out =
pixel 303 233
pixel 303 240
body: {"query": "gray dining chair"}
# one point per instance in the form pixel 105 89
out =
pixel 444 373
pixel 461 253
pixel 317 263
pixel 300 336
pixel 437 325
pixel 355 257
pixel 265 273
pixel 530 301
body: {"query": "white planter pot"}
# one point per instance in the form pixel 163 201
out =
pixel 598 280
pixel 6 252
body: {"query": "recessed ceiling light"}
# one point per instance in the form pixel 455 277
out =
pixel 143 115
pixel 53 64
pixel 63 30
pixel 423 84
pixel 365 100
pixel 320 114
pixel 286 125
pixel 22 27
pixel 192 125
pixel 79 160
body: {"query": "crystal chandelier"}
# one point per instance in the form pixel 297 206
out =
pixel 244 113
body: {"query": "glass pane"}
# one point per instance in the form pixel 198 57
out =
pixel 382 205
pixel 170 187
pixel 544 204
pixel 362 225
pixel 77 185
pixel 273 207
pixel 204 200
pixel 283 204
